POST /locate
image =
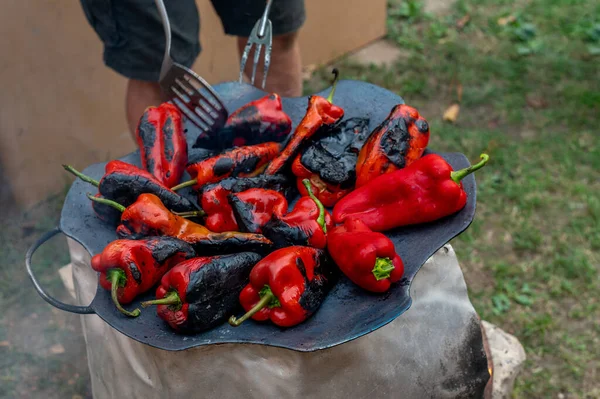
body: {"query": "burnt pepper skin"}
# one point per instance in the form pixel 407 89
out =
pixel 215 202
pixel 255 207
pixel 427 190
pixel 149 217
pixel 257 122
pixel 397 142
pixel 307 224
pixel 367 258
pixel 200 293
pixel 129 268
pixel 161 139
pixel 287 286
pixel 124 183
pixel 239 162
pixel 330 161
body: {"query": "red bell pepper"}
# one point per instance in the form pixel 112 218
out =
pixel 367 258
pixel 257 122
pixel 307 224
pixel 287 286
pixel 131 267
pixel 200 293
pixel 396 143
pixel 253 208
pixel 238 162
pixel 427 190
pixel 162 143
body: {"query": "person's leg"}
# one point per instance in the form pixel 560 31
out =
pixel 139 96
pixel 134 44
pixel 285 72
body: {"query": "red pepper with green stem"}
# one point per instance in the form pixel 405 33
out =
pixel 367 258
pixel 257 122
pixel 427 190
pixel 200 293
pixel 287 286
pixel 321 113
pixel 161 139
pixel 124 183
pixel 397 142
pixel 307 224
pixel 129 268
pixel 238 162
pixel 149 217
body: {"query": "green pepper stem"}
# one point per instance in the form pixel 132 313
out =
pixel 184 184
pixel 83 177
pixel 321 218
pixel 383 268
pixel 172 299
pixel 267 299
pixel 190 214
pixel 458 175
pixel 108 202
pixel 333 84
pixel 118 279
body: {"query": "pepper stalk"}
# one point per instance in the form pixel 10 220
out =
pixel 333 85
pixel 83 177
pixel 267 298
pixel 172 300
pixel 458 175
pixel 321 218
pixel 383 268
pixel 108 202
pixel 118 279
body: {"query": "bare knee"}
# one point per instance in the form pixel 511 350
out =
pixel 140 95
pixel 285 42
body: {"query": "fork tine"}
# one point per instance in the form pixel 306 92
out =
pixel 256 59
pixel 190 113
pixel 186 86
pixel 244 59
pixel 267 53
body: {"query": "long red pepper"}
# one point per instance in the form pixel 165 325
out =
pixel 427 190
pixel 319 113
pixel 162 143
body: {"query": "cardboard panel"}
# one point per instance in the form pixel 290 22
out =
pixel 60 104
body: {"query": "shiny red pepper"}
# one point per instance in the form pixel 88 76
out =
pixel 367 258
pixel 255 207
pixel 149 217
pixel 200 293
pixel 162 143
pixel 239 162
pixel 287 286
pixel 131 267
pixel 320 113
pixel 397 142
pixel 427 190
pixel 215 202
pixel 307 224
pixel 257 122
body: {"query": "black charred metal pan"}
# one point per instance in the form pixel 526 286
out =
pixel 362 312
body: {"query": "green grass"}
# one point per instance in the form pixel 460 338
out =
pixel 531 99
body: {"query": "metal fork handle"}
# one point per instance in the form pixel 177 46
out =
pixel 162 12
pixel 264 19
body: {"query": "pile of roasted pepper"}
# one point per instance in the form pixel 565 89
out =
pixel 245 243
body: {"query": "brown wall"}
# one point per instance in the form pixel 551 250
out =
pixel 60 104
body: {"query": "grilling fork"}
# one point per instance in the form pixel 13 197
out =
pixel 261 35
pixel 194 97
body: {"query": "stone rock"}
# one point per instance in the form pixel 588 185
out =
pixel 508 357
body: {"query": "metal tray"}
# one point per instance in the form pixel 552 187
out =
pixel 346 314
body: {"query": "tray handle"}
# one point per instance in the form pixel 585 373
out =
pixel 45 296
